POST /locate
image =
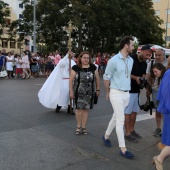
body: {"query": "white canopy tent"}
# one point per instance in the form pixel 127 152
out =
pixel 167 51
pixel 155 47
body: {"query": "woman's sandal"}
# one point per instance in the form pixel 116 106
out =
pixel 78 131
pixel 84 131
pixel 157 164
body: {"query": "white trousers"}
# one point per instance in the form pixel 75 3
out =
pixel 119 101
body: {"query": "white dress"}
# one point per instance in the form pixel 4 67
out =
pixel 25 62
pixel 9 65
pixel 55 90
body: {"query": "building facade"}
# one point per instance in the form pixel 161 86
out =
pixel 162 9
pixel 16 8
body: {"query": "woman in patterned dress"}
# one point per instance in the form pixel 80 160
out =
pixel 86 82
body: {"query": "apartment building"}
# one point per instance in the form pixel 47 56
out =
pixel 16 8
pixel 162 9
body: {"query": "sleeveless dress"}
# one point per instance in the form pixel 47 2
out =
pixel 25 62
pixel 9 65
pixel 84 87
pixel 34 67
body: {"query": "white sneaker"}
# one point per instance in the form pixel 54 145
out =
pixel 41 74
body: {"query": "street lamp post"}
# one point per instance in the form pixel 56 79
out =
pixel 21 47
pixel 34 27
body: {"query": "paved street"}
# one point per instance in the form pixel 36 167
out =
pixel 33 137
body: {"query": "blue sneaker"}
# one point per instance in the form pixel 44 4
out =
pixel 127 154
pixel 107 142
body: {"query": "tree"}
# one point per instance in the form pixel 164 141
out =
pixel 4 12
pixel 141 21
pixel 100 23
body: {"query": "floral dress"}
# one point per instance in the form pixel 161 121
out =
pixel 84 86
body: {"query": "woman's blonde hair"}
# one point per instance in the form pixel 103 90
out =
pixel 80 57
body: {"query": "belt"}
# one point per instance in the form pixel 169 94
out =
pixel 66 78
pixel 124 90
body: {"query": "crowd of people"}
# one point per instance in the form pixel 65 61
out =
pixel 31 65
pixel 27 65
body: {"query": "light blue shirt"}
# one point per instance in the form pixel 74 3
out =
pixel 118 71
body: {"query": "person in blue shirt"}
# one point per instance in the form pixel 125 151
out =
pixel 117 80
pixel 2 61
pixel 163 97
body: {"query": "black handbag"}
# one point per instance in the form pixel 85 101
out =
pixel 95 98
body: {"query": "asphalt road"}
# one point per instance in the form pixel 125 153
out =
pixel 33 137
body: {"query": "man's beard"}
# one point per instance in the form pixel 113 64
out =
pixel 141 57
pixel 129 51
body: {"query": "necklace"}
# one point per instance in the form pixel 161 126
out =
pixel 126 67
pixel 87 73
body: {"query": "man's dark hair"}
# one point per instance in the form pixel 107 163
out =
pixel 77 55
pixel 125 40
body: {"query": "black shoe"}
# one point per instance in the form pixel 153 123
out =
pixel 68 110
pixel 157 132
pixel 130 138
pixel 136 135
pixel 57 110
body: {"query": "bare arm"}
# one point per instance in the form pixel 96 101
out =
pixel 148 77
pixel 72 76
pixel 97 83
pixel 137 78
pixel 107 85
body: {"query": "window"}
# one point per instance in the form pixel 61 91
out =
pixel 20 16
pixel 168 25
pixel 4 44
pixel 168 11
pixel 19 45
pixel 157 12
pixel 167 38
pixel 12 44
pixel 21 5
pixel 155 0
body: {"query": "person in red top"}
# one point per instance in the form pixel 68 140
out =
pixel 57 58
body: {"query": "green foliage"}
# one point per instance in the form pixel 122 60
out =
pixel 4 12
pixel 100 23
